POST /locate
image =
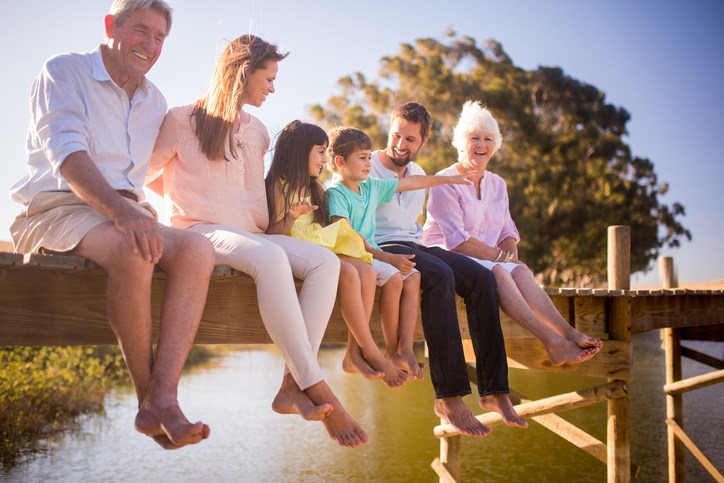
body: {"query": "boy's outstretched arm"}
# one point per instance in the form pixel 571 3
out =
pixel 417 182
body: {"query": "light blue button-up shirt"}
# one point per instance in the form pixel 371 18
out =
pixel 76 106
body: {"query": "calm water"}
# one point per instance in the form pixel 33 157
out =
pixel 249 442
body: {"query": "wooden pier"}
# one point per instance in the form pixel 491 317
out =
pixel 60 300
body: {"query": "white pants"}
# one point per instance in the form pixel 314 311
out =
pixel 295 324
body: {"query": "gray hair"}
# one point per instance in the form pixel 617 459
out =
pixel 121 9
pixel 475 117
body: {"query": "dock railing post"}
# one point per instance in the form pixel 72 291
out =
pixel 674 403
pixel 619 278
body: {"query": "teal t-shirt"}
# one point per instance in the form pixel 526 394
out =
pixel 359 208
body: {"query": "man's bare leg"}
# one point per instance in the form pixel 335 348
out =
pixel 292 400
pixel 129 314
pixel 501 404
pixel 560 350
pixel 457 413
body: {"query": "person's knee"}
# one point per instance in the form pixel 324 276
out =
pixel 394 284
pixel 189 251
pixel 367 275
pixel 438 277
pixel 412 282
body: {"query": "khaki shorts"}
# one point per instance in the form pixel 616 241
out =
pixel 58 221
pixel 385 271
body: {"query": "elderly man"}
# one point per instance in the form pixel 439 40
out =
pixel 443 274
pixel 94 120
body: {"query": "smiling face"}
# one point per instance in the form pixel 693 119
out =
pixel 479 148
pixel 404 141
pixel 260 84
pixel 356 167
pixel 317 160
pixel 135 44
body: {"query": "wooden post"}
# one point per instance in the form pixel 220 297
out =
pixel 450 455
pixel 674 403
pixel 619 278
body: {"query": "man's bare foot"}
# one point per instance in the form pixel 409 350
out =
pixel 169 421
pixel 458 414
pixel 292 400
pixel 565 351
pixel 407 361
pixel 500 403
pixel 354 363
pixel 338 423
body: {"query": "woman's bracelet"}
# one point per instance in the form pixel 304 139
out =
pixel 500 254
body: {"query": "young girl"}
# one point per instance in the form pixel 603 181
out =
pixel 297 208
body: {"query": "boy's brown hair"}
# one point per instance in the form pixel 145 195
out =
pixel 343 141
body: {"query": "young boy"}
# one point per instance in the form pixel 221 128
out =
pixel 355 196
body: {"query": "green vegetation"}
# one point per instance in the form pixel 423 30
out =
pixel 42 389
pixel 569 170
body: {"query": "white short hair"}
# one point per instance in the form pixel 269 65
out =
pixel 475 117
pixel 121 9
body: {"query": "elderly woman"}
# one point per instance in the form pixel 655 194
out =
pixel 475 220
pixel 209 163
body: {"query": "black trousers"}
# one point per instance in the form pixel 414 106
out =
pixel 443 274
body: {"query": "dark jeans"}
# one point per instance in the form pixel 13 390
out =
pixel 445 273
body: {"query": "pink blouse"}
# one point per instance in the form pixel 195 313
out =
pixel 455 214
pixel 200 190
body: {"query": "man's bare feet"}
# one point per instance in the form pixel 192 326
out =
pixel 407 361
pixel 458 414
pixel 565 351
pixel 501 404
pixel 169 421
pixel 292 400
pixel 338 423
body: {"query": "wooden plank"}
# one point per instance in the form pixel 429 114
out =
pixel 590 315
pixel 441 471
pixel 702 358
pixel 561 402
pixel 674 404
pixel 714 333
pixel 676 311
pixel 697 382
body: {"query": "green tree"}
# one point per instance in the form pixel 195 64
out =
pixel 570 173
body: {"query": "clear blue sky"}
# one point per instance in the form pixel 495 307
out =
pixel 661 60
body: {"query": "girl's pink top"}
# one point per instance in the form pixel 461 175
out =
pixel 455 214
pixel 227 192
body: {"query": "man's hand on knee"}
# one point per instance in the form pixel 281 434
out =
pixel 143 234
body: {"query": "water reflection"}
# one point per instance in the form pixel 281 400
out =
pixel 249 442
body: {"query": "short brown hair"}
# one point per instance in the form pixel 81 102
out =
pixel 414 112
pixel 344 140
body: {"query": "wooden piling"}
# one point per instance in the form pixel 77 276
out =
pixel 671 338
pixel 619 278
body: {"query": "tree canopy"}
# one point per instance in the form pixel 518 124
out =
pixel 569 171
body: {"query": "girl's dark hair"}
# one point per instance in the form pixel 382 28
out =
pixel 290 169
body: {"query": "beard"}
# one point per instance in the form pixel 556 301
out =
pixel 400 162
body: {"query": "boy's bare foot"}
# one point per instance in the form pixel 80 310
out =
pixel 292 400
pixel 169 421
pixel 338 423
pixel 457 413
pixel 407 361
pixel 500 403
pixel 565 351
pixel 354 363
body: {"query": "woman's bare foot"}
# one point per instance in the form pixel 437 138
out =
pixel 458 414
pixel 354 363
pixel 564 351
pixel 292 400
pixel 407 361
pixel 338 423
pixel 170 422
pixel 500 403
pixel 583 341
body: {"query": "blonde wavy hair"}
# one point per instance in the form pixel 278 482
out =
pixel 214 114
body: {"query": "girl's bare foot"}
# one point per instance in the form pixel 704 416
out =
pixel 500 403
pixel 292 400
pixel 169 422
pixel 354 363
pixel 458 414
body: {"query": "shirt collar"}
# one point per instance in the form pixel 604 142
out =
pixel 100 73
